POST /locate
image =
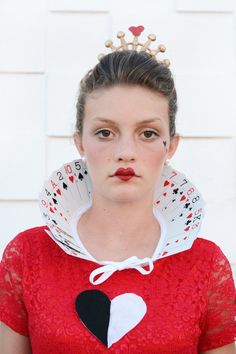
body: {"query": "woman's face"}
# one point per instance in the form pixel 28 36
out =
pixel 125 127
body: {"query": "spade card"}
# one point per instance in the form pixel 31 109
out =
pixel 65 198
pixel 77 183
pixel 85 173
pixel 81 179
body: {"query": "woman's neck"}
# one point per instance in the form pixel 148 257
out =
pixel 119 230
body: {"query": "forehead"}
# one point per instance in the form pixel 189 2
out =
pixel 128 103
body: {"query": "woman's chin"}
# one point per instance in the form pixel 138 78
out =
pixel 125 195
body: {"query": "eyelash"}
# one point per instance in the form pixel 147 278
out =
pixel 107 130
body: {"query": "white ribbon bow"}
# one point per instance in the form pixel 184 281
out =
pixel 107 270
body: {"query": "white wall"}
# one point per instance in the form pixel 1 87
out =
pixel 47 46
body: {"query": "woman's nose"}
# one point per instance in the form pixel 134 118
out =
pixel 125 149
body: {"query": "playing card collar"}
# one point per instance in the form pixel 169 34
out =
pixel 177 205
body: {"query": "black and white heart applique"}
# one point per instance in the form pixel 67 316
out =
pixel 109 320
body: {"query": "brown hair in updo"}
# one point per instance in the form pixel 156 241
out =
pixel 128 67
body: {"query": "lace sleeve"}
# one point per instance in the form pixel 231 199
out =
pixel 12 309
pixel 219 326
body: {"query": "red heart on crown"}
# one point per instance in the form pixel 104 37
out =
pixel 136 30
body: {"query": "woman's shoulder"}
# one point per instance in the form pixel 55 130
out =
pixel 205 260
pixel 209 253
pixel 201 244
pixel 206 247
pixel 30 242
pixel 203 254
pixel 32 235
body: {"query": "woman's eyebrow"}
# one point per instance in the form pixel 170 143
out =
pixel 105 120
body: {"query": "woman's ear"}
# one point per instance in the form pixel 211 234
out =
pixel 174 142
pixel 77 137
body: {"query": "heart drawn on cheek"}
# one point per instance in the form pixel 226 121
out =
pixel 109 320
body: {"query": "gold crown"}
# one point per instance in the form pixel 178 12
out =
pixel 136 45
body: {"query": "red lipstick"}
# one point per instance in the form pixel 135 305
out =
pixel 125 173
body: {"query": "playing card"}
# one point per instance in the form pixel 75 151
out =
pixel 184 222
pixel 88 180
pixel 77 183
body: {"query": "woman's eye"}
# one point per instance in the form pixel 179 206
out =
pixel 103 133
pixel 149 134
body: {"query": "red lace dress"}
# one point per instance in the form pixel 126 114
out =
pixel 190 299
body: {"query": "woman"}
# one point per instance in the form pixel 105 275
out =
pixel 125 130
